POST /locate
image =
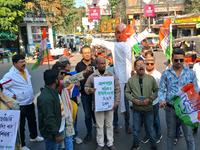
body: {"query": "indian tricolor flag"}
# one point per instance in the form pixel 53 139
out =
pixel 130 36
pixel 43 52
pixel 165 38
pixel 187 105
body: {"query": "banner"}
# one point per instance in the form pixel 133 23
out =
pixel 95 13
pixel 149 11
pixel 9 120
pixel 104 95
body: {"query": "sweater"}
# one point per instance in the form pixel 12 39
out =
pixel 149 88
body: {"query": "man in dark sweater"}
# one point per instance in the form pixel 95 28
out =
pixel 86 99
pixel 141 90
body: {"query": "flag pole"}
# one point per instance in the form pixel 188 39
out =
pixel 48 59
pixel 171 38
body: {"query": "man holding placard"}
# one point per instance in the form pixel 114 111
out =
pixel 105 88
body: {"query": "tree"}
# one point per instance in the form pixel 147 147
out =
pixel 11 14
pixel 192 6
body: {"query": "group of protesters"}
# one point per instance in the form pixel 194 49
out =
pixel 144 86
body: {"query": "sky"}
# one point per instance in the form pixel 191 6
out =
pixel 79 3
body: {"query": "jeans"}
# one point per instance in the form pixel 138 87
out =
pixel 75 127
pixel 28 112
pixel 178 126
pixel 171 120
pixel 68 142
pixel 52 145
pixel 157 126
pixel 89 114
pixel 148 122
pixel 127 114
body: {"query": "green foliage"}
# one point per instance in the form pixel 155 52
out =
pixel 11 14
pixel 192 6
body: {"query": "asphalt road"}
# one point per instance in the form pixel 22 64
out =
pixel 122 140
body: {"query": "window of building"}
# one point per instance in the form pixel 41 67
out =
pixel 37 33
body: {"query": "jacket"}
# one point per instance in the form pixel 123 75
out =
pixel 49 113
pixel 149 88
pixel 90 84
pixel 81 67
pixel 14 83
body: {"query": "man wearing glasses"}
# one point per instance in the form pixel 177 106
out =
pixel 150 70
pixel 172 80
pixel 17 84
pixel 142 90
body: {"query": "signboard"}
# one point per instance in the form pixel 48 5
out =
pixel 102 4
pixel 198 25
pixel 188 19
pixel 133 6
pixel 109 25
pixel 104 95
pixel 9 120
pixel 149 11
pixel 95 13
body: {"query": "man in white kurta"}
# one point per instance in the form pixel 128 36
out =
pixel 121 52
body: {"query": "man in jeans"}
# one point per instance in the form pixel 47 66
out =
pixel 103 115
pixel 172 80
pixel 142 90
pixel 150 69
pixel 86 99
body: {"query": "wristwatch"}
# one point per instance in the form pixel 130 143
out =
pixel 8 101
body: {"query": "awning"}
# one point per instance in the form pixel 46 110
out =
pixel 179 25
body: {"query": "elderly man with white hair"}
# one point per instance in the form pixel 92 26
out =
pixel 121 52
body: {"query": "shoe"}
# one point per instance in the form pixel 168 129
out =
pixel 158 137
pixel 116 129
pixel 25 148
pixel 87 138
pixel 78 140
pixel 134 147
pixel 145 139
pixel 99 148
pixel 112 147
pixel 153 148
pixel 128 130
pixel 37 139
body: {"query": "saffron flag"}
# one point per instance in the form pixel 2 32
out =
pixel 130 36
pixel 187 105
pixel 43 52
pixel 165 37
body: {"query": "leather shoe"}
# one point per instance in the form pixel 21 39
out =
pixel 112 147
pixel 128 130
pixel 116 130
pixel 99 148
pixel 87 138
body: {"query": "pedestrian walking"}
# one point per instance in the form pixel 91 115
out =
pixel 103 115
pixel 17 84
pixel 172 80
pixel 142 90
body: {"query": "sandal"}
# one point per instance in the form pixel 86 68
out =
pixel 175 141
pixel 180 134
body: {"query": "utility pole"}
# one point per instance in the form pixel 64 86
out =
pixel 140 16
pixel 120 10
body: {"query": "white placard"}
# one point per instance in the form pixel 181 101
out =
pixel 104 95
pixel 9 120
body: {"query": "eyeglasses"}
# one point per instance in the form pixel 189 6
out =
pixel 140 65
pixel 176 60
pixel 62 73
pixel 149 64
